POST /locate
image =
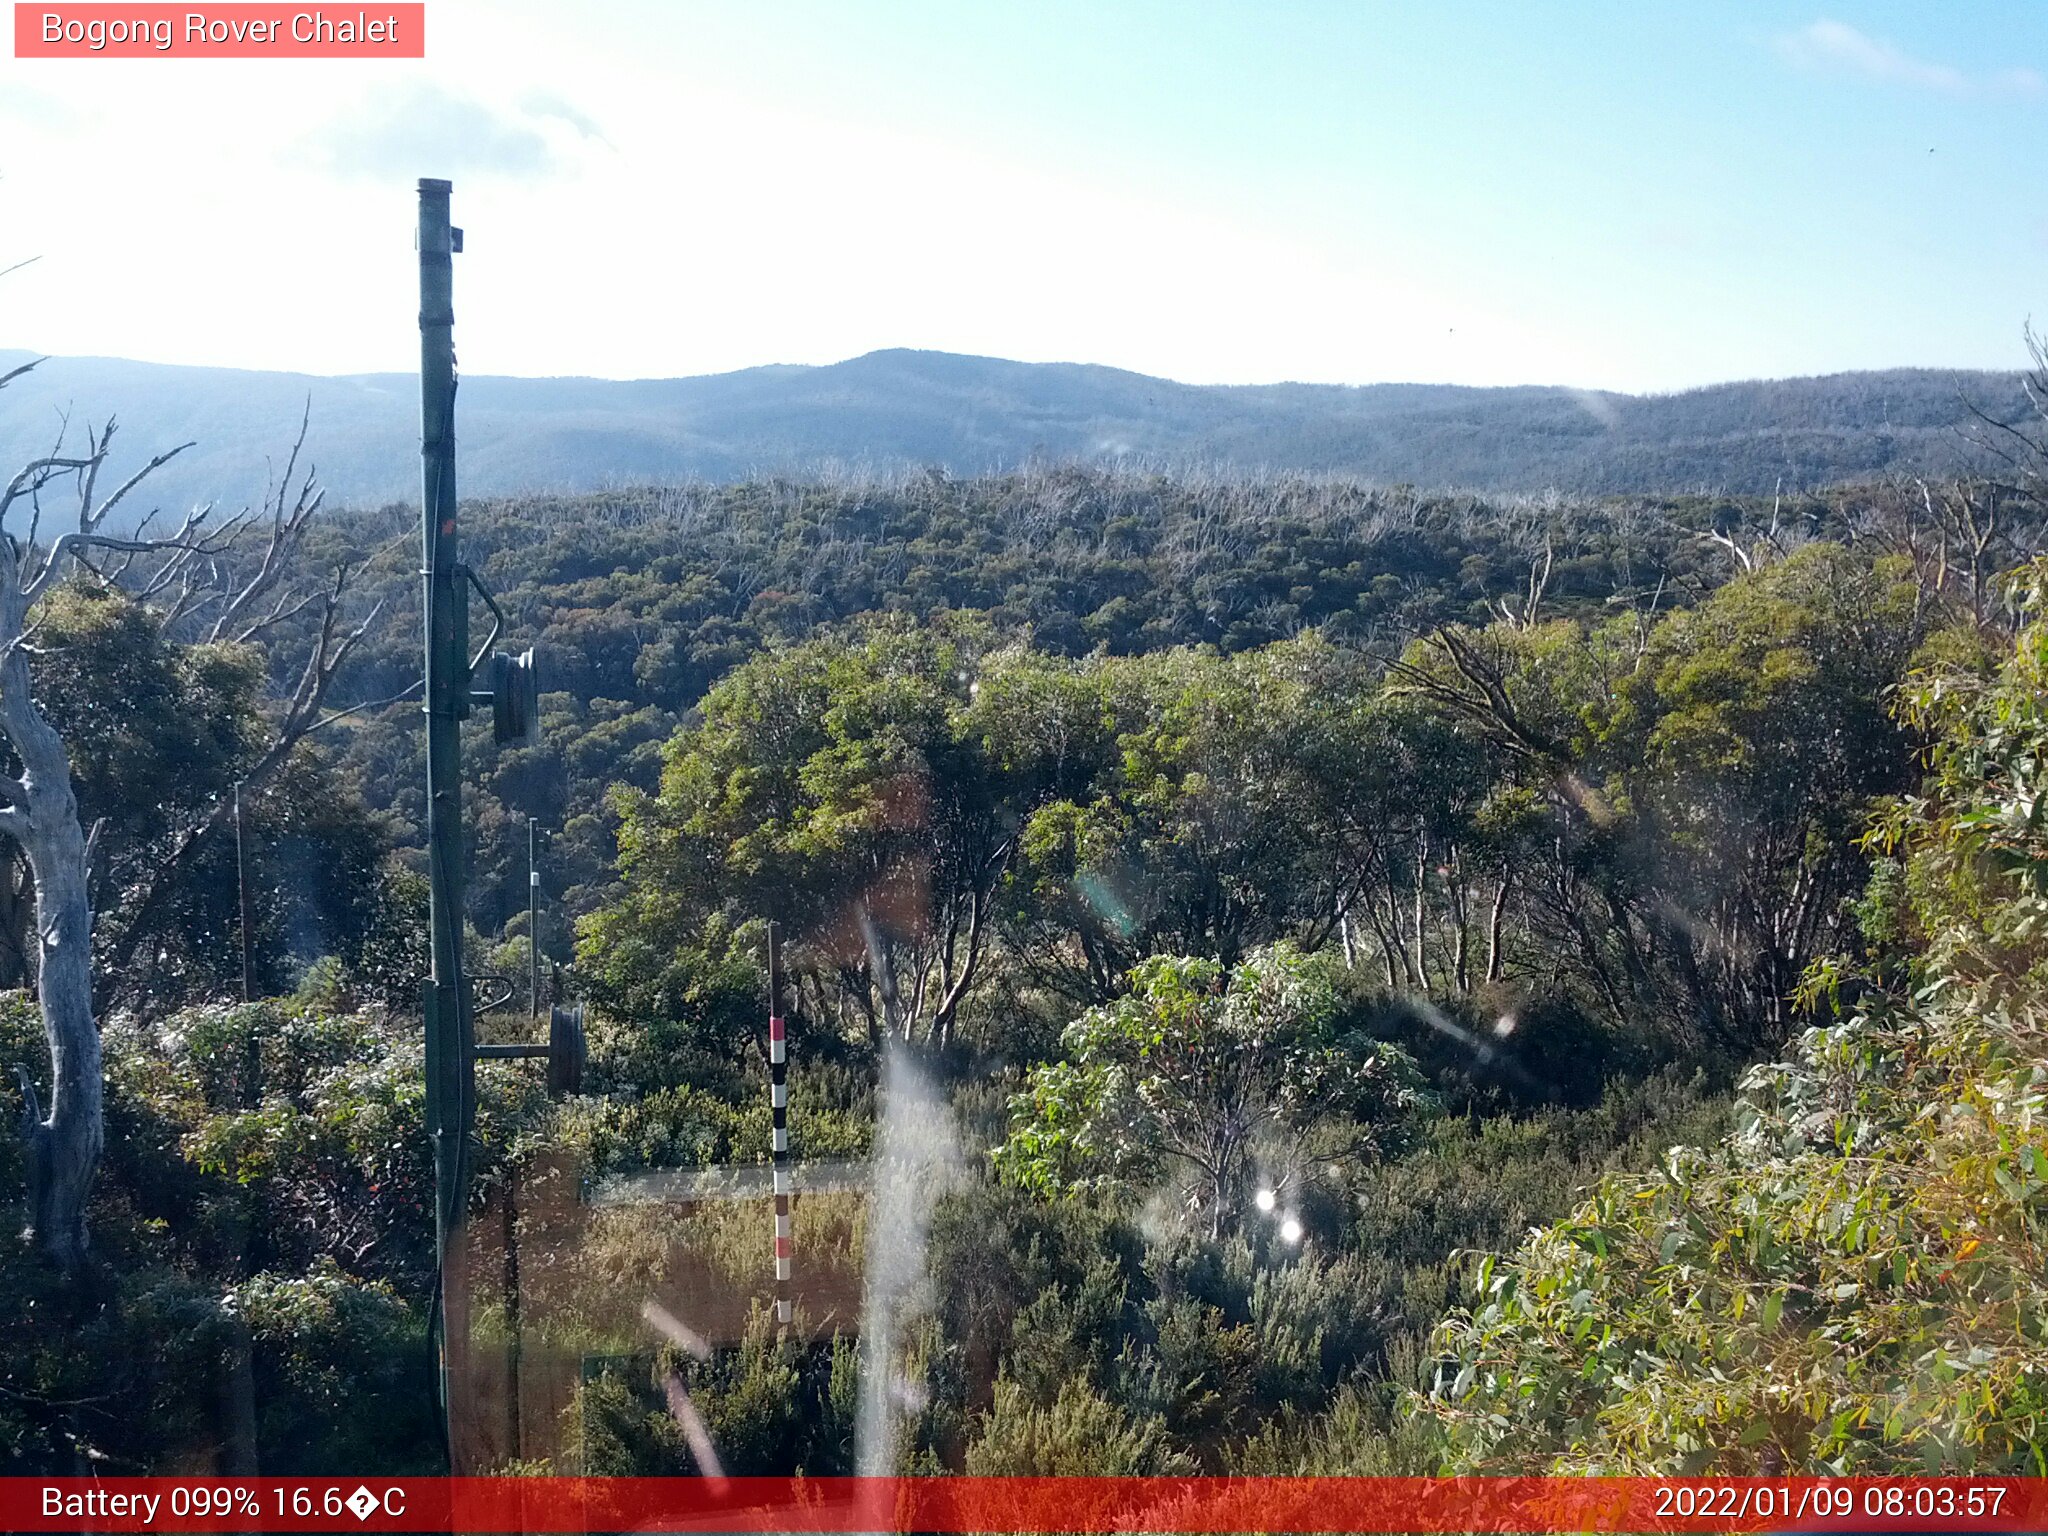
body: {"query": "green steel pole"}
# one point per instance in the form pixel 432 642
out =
pixel 533 917
pixel 449 1030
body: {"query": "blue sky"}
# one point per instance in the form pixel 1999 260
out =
pixel 1616 196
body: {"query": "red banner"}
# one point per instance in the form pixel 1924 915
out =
pixel 1028 1504
pixel 225 31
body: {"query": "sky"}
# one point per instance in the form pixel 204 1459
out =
pixel 1607 195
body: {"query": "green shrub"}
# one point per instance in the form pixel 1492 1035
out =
pixel 324 1348
pixel 1081 1434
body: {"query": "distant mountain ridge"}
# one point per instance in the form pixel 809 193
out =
pixel 903 410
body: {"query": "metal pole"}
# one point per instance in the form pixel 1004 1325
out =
pixel 778 1101
pixel 533 916
pixel 242 890
pixel 513 1435
pixel 449 1029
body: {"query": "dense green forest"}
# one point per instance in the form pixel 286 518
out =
pixel 1325 979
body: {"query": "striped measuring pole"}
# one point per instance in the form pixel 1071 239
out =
pixel 778 1099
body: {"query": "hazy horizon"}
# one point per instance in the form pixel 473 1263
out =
pixel 2022 365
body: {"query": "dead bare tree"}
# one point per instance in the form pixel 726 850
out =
pixel 1524 616
pixel 1468 672
pixel 191 569
pixel 2019 447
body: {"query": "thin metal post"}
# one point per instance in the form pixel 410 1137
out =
pixel 242 890
pixel 513 1436
pixel 778 1100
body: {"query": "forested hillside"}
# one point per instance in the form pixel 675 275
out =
pixel 896 412
pixel 1218 912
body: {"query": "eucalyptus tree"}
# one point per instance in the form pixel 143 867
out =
pixel 1762 745
pixel 1702 780
pixel 847 788
pixel 1229 802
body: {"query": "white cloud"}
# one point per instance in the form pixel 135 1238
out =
pixel 1828 44
pixel 394 131
pixel 545 104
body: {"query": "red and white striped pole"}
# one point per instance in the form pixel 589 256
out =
pixel 778 1099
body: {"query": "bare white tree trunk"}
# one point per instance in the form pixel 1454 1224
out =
pixel 1493 926
pixel 64 1149
pixel 40 812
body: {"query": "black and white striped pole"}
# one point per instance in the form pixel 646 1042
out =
pixel 778 1099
